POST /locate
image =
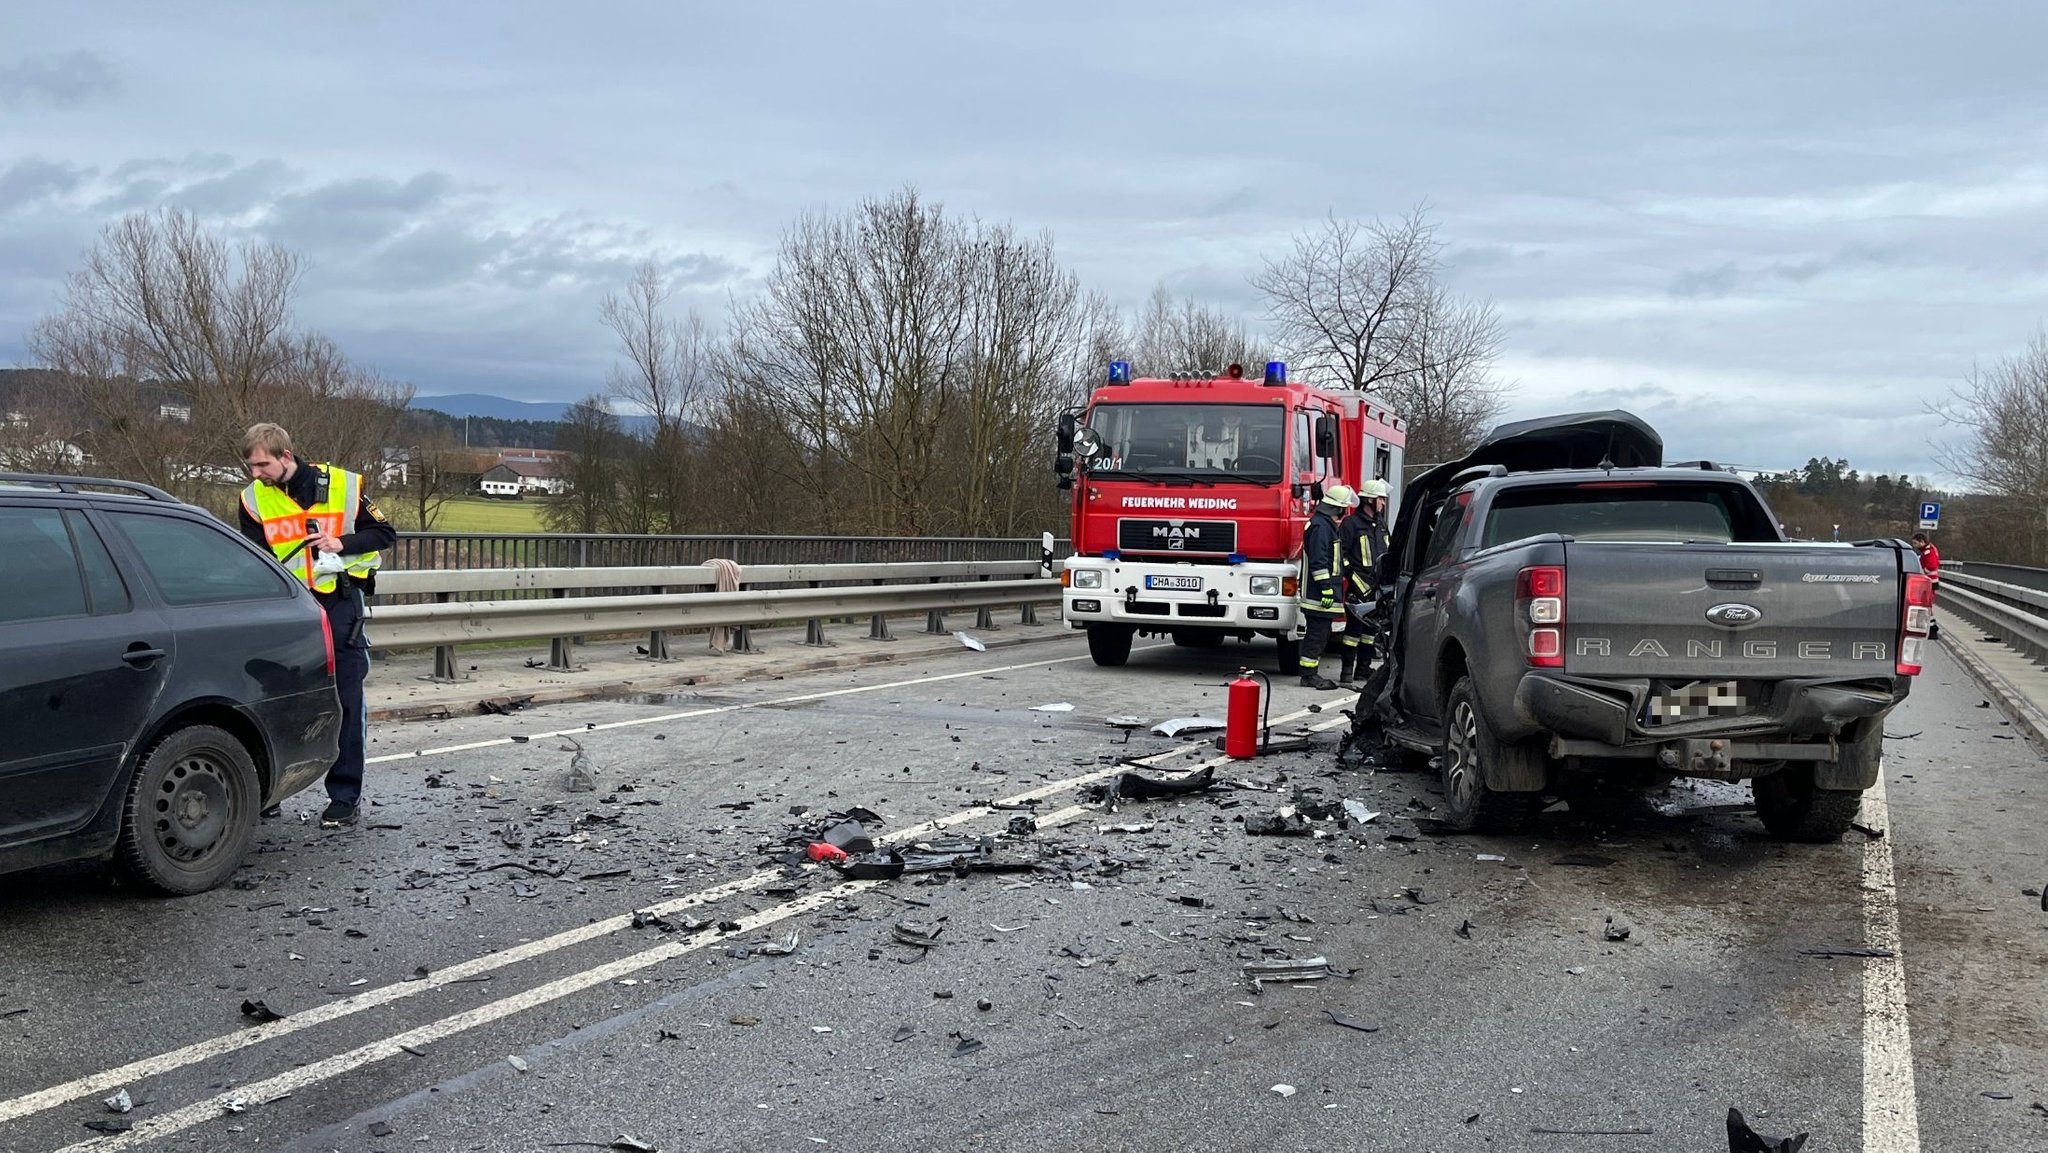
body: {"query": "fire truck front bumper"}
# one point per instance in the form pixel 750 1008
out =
pixel 1162 597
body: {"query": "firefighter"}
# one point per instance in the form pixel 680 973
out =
pixel 324 529
pixel 1364 538
pixel 1322 574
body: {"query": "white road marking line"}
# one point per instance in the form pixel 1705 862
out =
pixel 715 710
pixel 305 1076
pixel 1891 1110
pixel 273 1088
pixel 95 1084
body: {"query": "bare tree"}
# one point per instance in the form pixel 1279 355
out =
pixel 591 436
pixel 668 376
pixel 1188 336
pixel 172 342
pixel 1448 396
pixel 2003 410
pixel 433 475
pixel 1345 300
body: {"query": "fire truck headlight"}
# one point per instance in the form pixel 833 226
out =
pixel 1265 586
pixel 1087 578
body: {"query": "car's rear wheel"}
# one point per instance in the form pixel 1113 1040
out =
pixel 1793 808
pixel 1110 645
pixel 191 812
pixel 1469 746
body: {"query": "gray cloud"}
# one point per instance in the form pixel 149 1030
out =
pixel 33 178
pixel 58 80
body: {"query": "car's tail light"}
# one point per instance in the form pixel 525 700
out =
pixel 1539 615
pixel 1916 620
pixel 327 635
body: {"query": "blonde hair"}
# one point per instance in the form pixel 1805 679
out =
pixel 268 437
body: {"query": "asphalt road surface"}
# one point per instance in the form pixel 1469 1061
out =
pixel 463 971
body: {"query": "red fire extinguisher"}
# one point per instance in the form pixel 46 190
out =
pixel 1243 730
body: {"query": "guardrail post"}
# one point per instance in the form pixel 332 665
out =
pixel 444 655
pixel 657 639
pixel 814 629
pixel 935 619
pixel 560 659
pixel 878 626
pixel 1030 614
pixel 985 618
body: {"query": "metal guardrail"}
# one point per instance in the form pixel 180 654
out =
pixel 2012 574
pixel 452 550
pixel 2015 614
pixel 647 598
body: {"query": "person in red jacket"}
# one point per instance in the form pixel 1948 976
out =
pixel 1930 563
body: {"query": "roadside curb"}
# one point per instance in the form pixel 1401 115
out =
pixel 658 681
pixel 2025 714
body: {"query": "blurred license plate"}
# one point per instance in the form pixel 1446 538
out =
pixel 1697 701
pixel 1191 584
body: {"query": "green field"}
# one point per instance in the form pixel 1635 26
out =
pixel 480 515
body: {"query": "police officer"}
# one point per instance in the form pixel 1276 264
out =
pixel 322 527
pixel 1322 568
pixel 1364 541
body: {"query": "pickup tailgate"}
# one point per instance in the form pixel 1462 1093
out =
pixel 1694 612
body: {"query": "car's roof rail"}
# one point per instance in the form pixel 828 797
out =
pixel 1478 472
pixel 85 484
pixel 1703 465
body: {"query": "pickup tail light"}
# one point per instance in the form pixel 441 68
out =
pixel 1539 615
pixel 327 635
pixel 1916 620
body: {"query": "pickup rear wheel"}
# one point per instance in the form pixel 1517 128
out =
pixel 1793 808
pixel 1469 747
pixel 1110 645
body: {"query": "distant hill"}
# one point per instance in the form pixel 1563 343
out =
pixel 488 407
pixel 494 407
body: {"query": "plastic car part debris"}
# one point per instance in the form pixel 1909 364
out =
pixel 1277 825
pixel 1306 969
pixel 849 835
pixel 969 640
pixel 260 1013
pixel 904 1033
pixel 743 1020
pixel 782 948
pixel 1056 707
pixel 1866 830
pixel 234 1104
pixel 1283 1089
pixel 913 936
pixel 120 1102
pixel 631 1144
pixel 1359 813
pixel 984 1004
pixel 1179 725
pixel 1464 929
pixel 380 1129
pixel 1138 787
pixel 1193 902
pixel 1022 825
pixel 1743 1139
pixel 1126 827
pixel 1337 1018
pixel 1615 931
pixel 1491 857
pixel 874 867
pixel 967 1046
pixel 503 706
pixel 110 1127
pixel 820 851
pixel 1846 951
pixel 518 1063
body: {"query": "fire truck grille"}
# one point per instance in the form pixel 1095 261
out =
pixel 1203 537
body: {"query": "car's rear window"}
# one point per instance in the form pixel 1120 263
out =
pixel 195 564
pixel 1618 511
pixel 38 566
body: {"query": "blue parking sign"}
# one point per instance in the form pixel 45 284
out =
pixel 1930 510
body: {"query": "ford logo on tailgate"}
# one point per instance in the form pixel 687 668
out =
pixel 1735 615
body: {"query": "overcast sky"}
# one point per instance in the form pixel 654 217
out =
pixel 1775 230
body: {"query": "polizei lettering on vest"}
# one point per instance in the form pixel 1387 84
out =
pixel 1205 502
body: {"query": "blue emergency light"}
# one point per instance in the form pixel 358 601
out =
pixel 1276 372
pixel 1119 372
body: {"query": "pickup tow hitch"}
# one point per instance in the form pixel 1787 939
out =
pixel 1696 756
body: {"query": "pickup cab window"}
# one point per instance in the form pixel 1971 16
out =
pixel 1625 511
pixel 1443 537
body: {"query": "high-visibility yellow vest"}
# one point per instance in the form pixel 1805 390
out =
pixel 284 525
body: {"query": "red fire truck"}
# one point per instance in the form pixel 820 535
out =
pixel 1190 496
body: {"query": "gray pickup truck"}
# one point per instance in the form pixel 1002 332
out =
pixel 1560 601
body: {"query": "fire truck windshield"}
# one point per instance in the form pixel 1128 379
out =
pixel 1218 443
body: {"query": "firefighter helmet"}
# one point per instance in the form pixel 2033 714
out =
pixel 1339 496
pixel 1373 488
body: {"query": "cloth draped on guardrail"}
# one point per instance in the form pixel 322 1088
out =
pixel 728 580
